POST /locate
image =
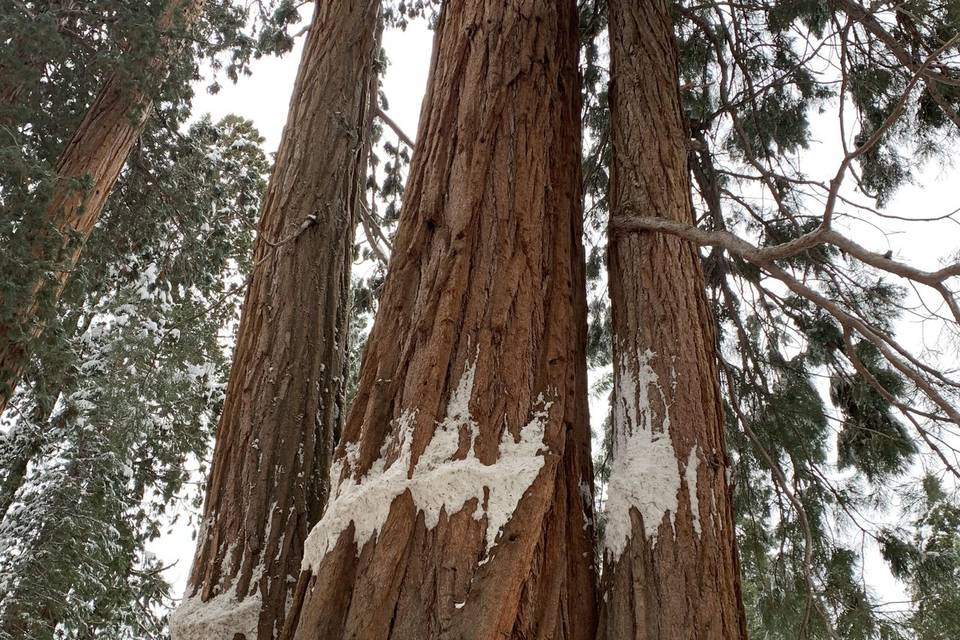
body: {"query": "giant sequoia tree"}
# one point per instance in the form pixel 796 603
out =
pixel 460 501
pixel 798 300
pixel 670 553
pixel 283 406
pixel 741 311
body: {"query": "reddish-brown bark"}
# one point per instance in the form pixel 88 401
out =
pixel 284 402
pixel 479 342
pixel 95 154
pixel 676 575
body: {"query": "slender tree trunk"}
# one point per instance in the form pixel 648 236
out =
pixel 459 507
pixel 670 562
pixel 86 172
pixel 268 483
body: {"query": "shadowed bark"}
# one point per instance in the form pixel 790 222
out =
pixel 284 403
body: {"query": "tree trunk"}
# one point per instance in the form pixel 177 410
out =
pixel 670 562
pixel 268 483
pixel 86 172
pixel 462 496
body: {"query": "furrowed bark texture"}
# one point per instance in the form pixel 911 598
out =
pixel 675 575
pixel 481 331
pixel 96 153
pixel 284 403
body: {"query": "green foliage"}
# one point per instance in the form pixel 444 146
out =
pixel 137 378
pixel 801 404
pixel 123 388
pixel 871 438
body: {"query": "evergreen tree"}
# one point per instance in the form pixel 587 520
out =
pixel 82 179
pixel 797 300
pixel 842 435
pixel 458 506
pixel 670 561
pixel 268 482
pixel 84 95
pixel 140 384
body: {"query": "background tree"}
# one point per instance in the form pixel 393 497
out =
pixel 139 382
pixel 84 96
pixel 83 177
pixel 97 447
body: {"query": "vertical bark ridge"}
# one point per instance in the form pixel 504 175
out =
pixel 283 406
pixel 86 173
pixel 671 568
pixel 472 391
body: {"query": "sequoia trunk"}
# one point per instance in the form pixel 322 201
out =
pixel 284 402
pixel 86 172
pixel 670 562
pixel 461 488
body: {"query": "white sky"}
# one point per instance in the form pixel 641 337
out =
pixel 264 97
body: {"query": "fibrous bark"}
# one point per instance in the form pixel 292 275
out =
pixel 670 563
pixel 86 173
pixel 283 406
pixel 462 492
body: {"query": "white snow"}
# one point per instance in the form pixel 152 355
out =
pixel 645 473
pixel 437 482
pixel 220 618
pixel 690 478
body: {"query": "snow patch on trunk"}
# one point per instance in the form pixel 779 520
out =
pixel 221 617
pixel 645 473
pixel 438 483
pixel 690 477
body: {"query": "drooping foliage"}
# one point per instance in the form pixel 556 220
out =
pixel 114 414
pixel 106 438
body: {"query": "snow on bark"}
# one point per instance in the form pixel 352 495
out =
pixel 437 482
pixel 690 478
pixel 645 473
pixel 223 617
